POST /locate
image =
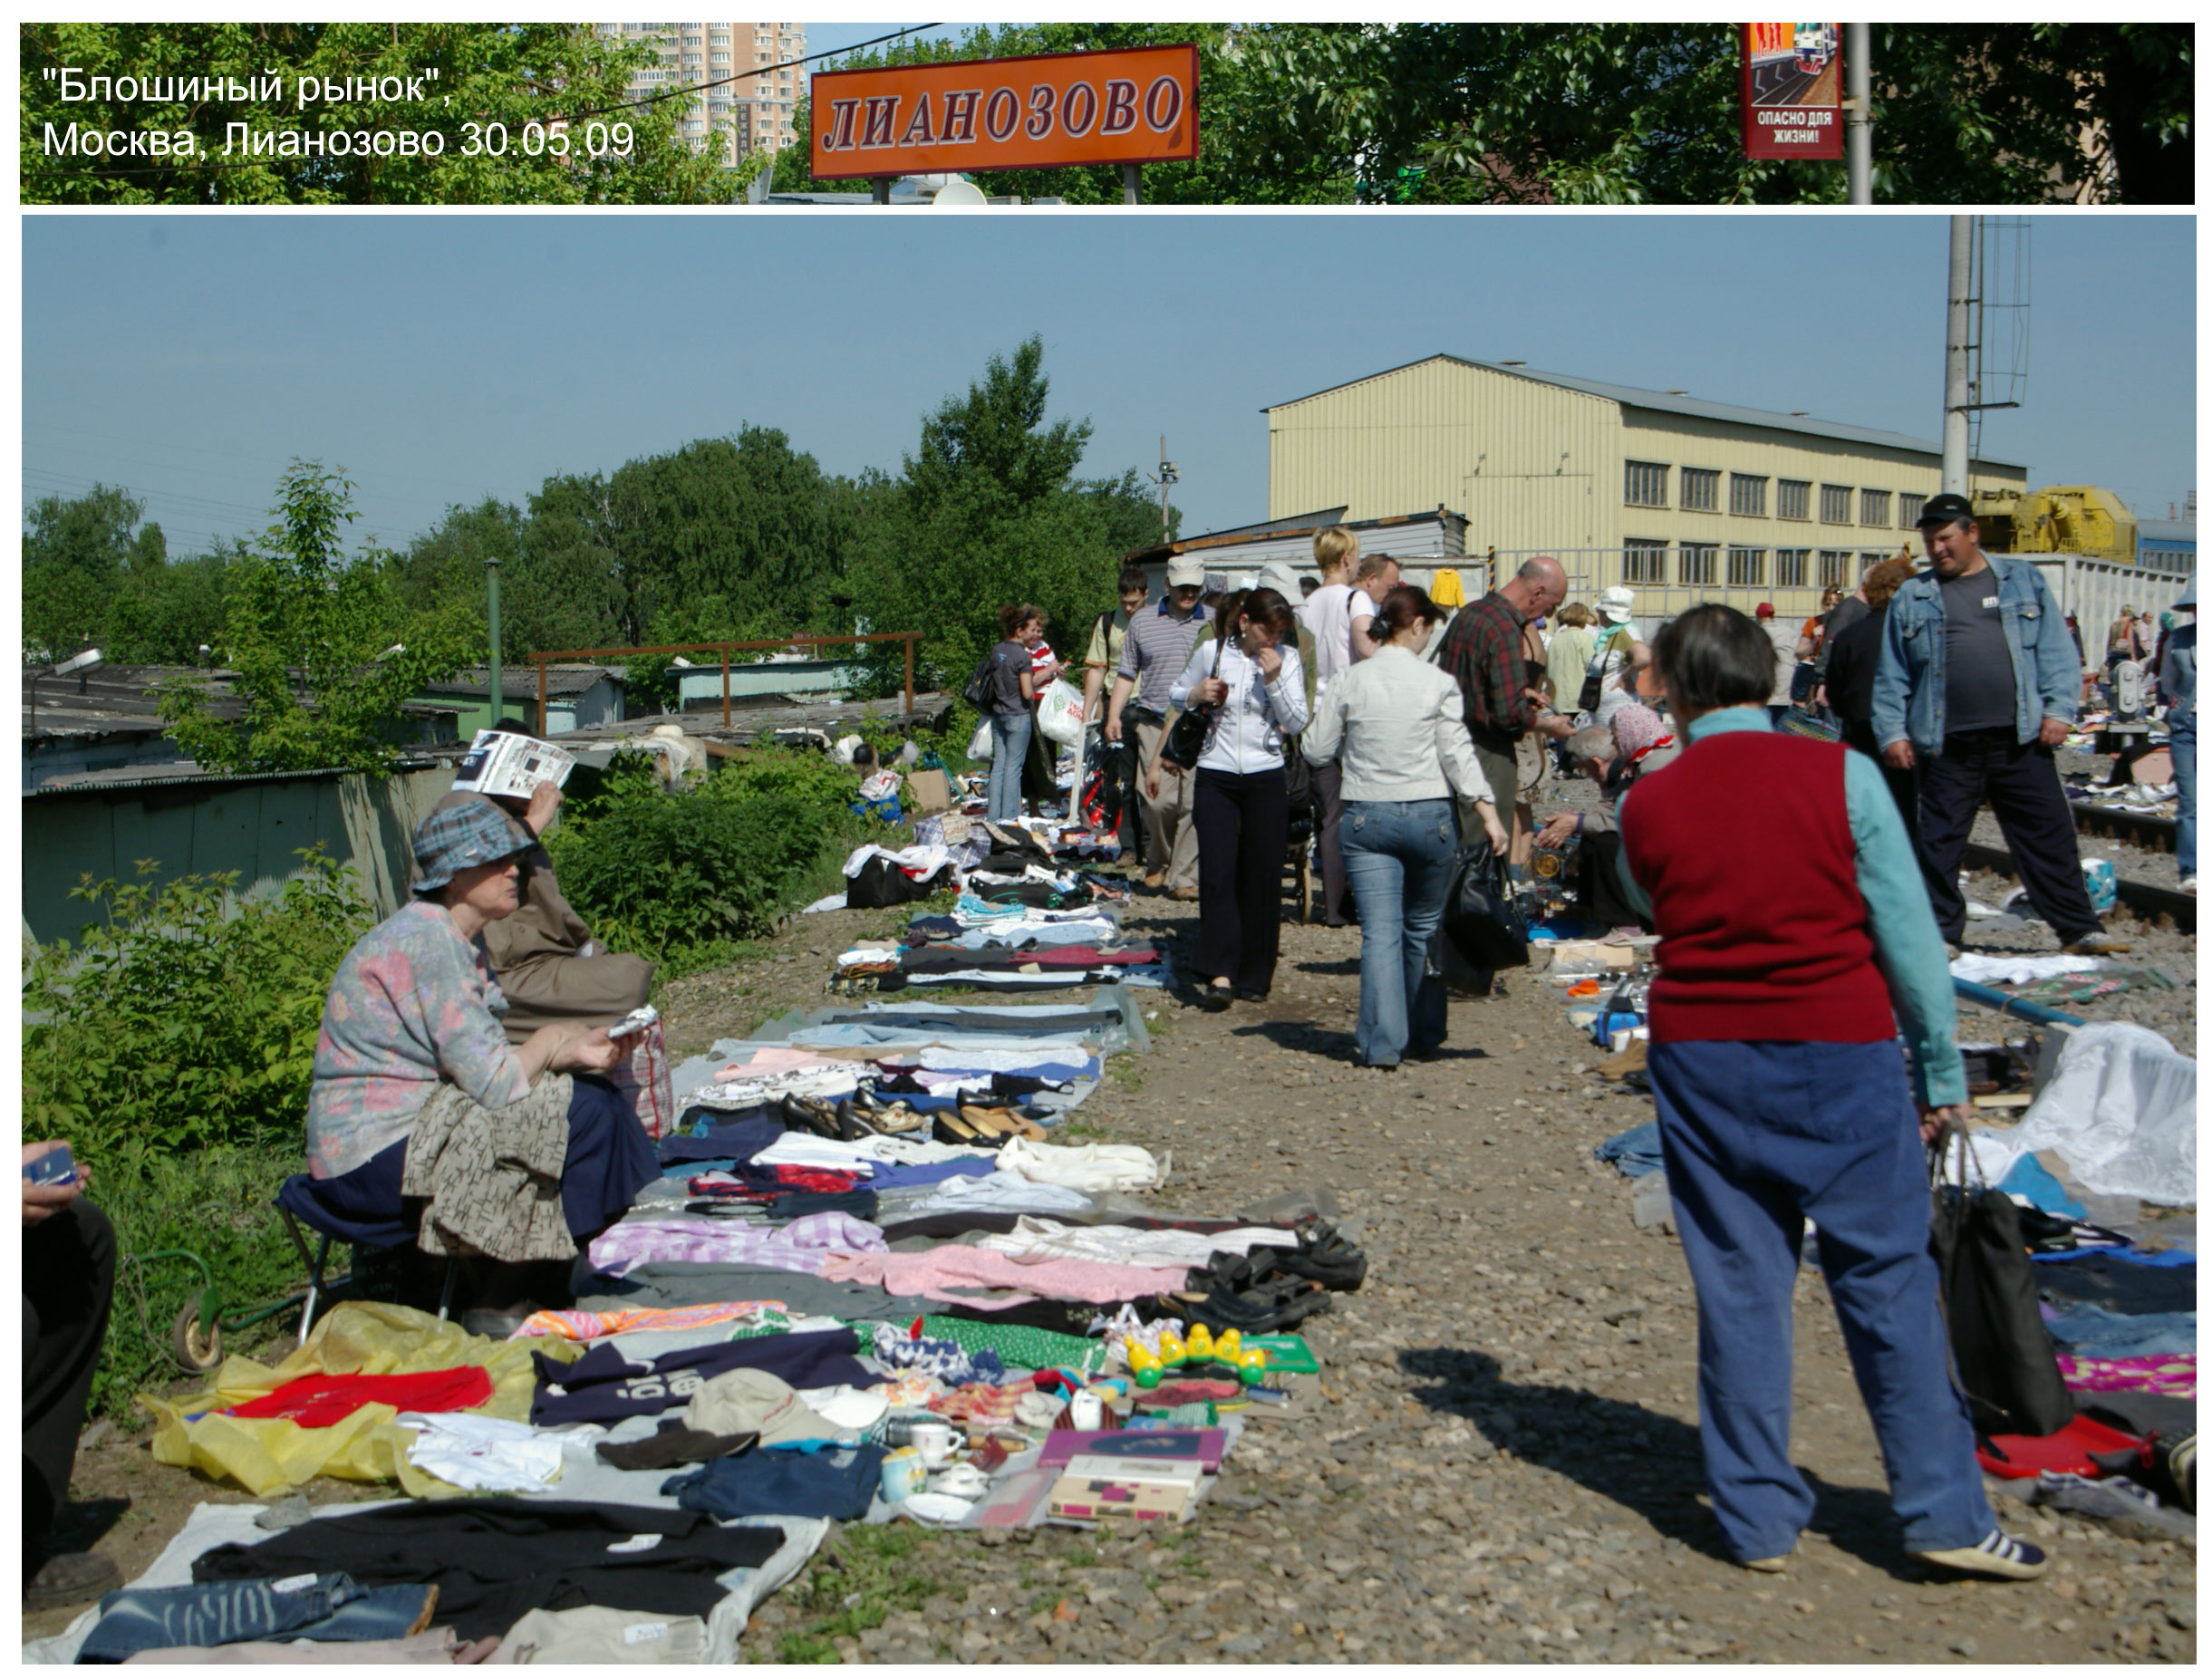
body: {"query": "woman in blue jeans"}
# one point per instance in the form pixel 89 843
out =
pixel 1014 688
pixel 2177 679
pixel 1396 725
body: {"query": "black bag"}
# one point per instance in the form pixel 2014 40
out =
pixel 881 882
pixel 977 693
pixel 1478 916
pixel 1296 776
pixel 1593 679
pixel 2006 1368
pixel 1186 736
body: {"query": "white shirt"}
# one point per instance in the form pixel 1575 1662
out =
pixel 1328 614
pixel 1398 726
pixel 1246 734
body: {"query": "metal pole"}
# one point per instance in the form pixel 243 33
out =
pixel 725 690
pixel 1858 110
pixel 492 599
pixel 1955 393
pixel 1129 179
pixel 879 190
pixel 910 674
pixel 541 697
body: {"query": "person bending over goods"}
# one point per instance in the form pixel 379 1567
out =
pixel 418 1097
pixel 549 966
pixel 1794 936
pixel 1394 727
pixel 1255 690
pixel 1976 687
pixel 1638 742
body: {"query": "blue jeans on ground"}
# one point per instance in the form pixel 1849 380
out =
pixel 1398 857
pixel 2184 746
pixel 329 1608
pixel 1010 743
pixel 1758 1138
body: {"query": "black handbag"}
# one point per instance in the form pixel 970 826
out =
pixel 1478 915
pixel 977 693
pixel 1296 776
pixel 2006 1368
pixel 1186 736
pixel 1593 679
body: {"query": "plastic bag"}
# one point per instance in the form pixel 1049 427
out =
pixel 2121 1110
pixel 363 1338
pixel 642 1079
pixel 979 743
pixel 1059 714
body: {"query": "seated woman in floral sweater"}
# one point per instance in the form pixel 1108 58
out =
pixel 413 1054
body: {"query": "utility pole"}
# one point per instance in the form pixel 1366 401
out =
pixel 1957 397
pixel 1858 110
pixel 492 597
pixel 1169 473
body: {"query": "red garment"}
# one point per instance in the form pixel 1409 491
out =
pixel 818 1178
pixel 1744 844
pixel 2022 1457
pixel 319 1401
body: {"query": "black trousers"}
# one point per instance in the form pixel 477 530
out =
pixel 1329 817
pixel 68 1284
pixel 2021 787
pixel 1243 823
pixel 1859 737
pixel 1597 882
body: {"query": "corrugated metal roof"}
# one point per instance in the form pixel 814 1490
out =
pixel 1664 401
pixel 1287 535
pixel 517 681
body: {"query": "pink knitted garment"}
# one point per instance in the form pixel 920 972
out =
pixel 940 1273
pixel 2173 1374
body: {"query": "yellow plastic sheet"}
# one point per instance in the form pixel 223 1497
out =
pixel 359 1337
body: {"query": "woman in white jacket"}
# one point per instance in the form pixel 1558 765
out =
pixel 1396 725
pixel 1255 689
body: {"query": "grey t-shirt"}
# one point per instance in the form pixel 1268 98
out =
pixel 1977 691
pixel 1009 660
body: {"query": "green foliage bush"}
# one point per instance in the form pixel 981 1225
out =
pixel 180 1020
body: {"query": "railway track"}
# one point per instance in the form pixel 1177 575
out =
pixel 2138 828
pixel 2148 902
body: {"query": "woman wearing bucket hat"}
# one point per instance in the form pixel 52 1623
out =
pixel 411 1033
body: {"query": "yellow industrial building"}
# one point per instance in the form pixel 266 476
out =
pixel 1681 498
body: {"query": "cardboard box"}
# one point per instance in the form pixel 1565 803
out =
pixel 508 765
pixel 929 791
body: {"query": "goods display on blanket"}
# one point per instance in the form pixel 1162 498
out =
pixel 868 1286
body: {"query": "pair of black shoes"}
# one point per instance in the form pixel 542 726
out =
pixel 1216 997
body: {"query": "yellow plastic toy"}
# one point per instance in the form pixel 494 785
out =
pixel 1143 1366
pixel 1199 1347
pixel 1172 1350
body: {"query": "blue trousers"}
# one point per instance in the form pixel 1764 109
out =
pixel 1010 745
pixel 1758 1138
pixel 329 1608
pixel 2183 745
pixel 1398 857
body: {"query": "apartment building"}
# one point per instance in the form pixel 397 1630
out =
pixel 736 117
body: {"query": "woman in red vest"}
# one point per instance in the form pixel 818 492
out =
pixel 1794 936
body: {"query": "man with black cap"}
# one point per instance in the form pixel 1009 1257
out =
pixel 1976 689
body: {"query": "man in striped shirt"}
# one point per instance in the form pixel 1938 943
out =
pixel 1153 653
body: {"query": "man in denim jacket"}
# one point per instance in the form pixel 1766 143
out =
pixel 1976 687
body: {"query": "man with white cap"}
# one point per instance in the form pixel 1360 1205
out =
pixel 1153 651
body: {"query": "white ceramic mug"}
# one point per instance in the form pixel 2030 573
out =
pixel 934 1440
pixel 1085 1410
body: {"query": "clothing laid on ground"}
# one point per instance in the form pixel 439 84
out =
pixel 2021 785
pixel 68 1286
pixel 946 1273
pixel 2112 1282
pixel 599 1638
pixel 324 1606
pixel 482 1453
pixel 495 1559
pixel 799 1245
pixel 837 1484
pixel 414 1006
pixel 319 1401
pixel 676 1283
pixel 2092 1331
pixel 603 1385
pixel 549 966
pixel 437 1647
pixel 675 1443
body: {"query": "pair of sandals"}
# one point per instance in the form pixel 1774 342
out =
pixel 1274 1288
pixel 986 1127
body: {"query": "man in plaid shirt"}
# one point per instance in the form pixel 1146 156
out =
pixel 1482 653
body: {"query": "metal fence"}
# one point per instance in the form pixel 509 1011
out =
pixel 1669 580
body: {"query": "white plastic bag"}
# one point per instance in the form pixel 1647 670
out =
pixel 1059 714
pixel 978 744
pixel 2121 1110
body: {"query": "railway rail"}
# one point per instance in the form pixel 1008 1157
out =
pixel 2138 828
pixel 2148 902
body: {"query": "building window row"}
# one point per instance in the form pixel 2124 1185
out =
pixel 1646 486
pixel 1697 565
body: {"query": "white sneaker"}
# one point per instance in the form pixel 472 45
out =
pixel 2189 885
pixel 1999 1556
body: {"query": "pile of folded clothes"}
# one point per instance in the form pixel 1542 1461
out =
pixel 868 1287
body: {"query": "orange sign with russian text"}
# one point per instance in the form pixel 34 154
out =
pixel 1051 111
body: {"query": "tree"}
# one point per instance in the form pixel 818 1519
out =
pixel 989 511
pixel 73 556
pixel 511 75
pixel 323 652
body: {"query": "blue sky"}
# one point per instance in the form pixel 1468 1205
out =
pixel 439 358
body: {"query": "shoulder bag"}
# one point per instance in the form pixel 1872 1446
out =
pixel 1478 916
pixel 977 693
pixel 1593 679
pixel 1187 738
pixel 2006 1368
